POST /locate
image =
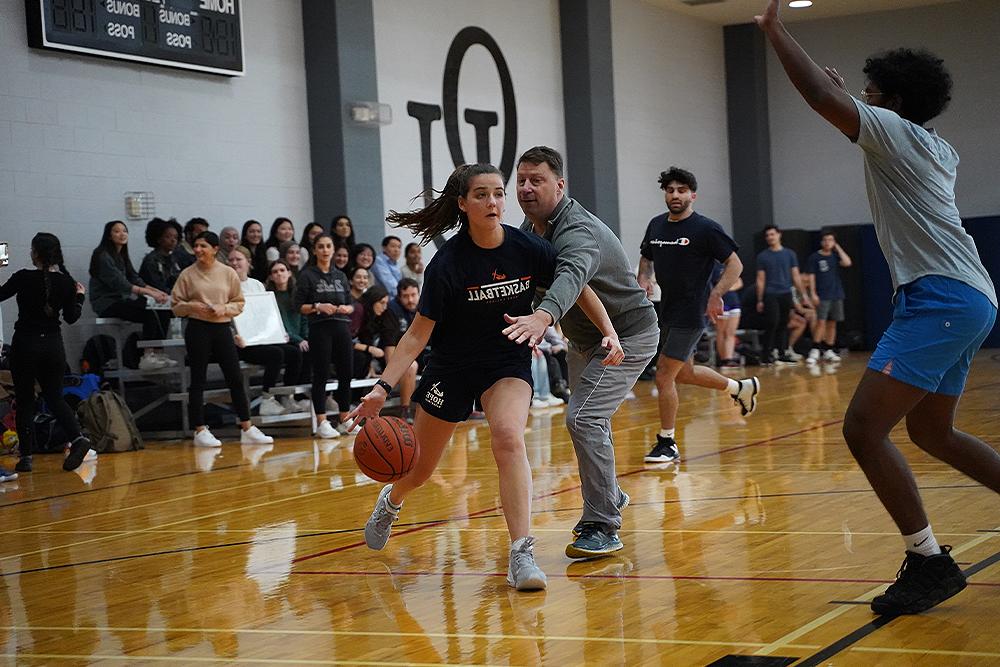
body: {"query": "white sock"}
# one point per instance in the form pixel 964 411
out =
pixel 733 387
pixel 922 543
pixel 666 432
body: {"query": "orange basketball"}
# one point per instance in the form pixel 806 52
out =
pixel 385 448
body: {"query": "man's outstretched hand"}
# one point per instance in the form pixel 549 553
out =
pixel 769 17
pixel 527 328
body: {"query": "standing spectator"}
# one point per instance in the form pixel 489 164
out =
pixel 116 290
pixel 727 324
pixel 192 228
pixel 342 230
pixel 161 266
pixel 323 294
pixel 777 273
pixel 208 294
pixel 282 231
pixel 385 270
pixel 290 252
pixel 342 258
pixel 252 239
pixel 359 282
pixel 309 234
pixel 413 268
pixel 826 293
pixel 282 283
pixel 363 256
pixel 272 356
pixel 229 238
pixel 37 352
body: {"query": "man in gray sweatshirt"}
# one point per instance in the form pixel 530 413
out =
pixel 588 253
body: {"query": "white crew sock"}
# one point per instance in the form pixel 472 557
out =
pixel 922 542
pixel 666 432
pixel 733 387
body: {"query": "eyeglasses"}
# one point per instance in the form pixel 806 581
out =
pixel 866 96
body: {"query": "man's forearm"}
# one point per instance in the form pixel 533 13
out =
pixel 807 77
pixel 730 274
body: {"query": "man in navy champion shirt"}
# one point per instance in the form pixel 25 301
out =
pixel 682 247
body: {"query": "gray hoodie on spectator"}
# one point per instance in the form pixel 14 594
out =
pixel 589 253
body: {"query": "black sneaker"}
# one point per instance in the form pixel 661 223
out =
pixel 77 451
pixel 785 360
pixel 623 501
pixel 921 583
pixel 594 541
pixel 23 464
pixel 664 451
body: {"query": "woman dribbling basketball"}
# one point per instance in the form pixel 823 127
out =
pixel 485 270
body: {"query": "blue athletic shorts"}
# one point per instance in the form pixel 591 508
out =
pixel 937 326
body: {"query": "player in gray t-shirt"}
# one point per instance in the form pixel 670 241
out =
pixel 945 303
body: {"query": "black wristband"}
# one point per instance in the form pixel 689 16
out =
pixel 385 385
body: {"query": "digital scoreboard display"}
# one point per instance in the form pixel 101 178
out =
pixel 203 35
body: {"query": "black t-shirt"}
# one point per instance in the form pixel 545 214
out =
pixel 467 290
pixel 684 254
pixel 314 286
pixel 28 285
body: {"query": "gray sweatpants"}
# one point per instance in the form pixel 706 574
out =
pixel 597 391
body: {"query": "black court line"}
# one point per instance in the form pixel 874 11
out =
pixel 867 629
pixel 847 602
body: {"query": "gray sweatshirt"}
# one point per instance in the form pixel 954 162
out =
pixel 589 253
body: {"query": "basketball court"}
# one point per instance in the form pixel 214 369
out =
pixel 762 547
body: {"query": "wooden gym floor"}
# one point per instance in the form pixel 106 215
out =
pixel 765 542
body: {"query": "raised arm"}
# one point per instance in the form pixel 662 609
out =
pixel 845 259
pixel 595 311
pixel 822 90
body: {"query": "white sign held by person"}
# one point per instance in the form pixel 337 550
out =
pixel 260 322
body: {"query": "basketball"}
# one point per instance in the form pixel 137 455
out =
pixel 385 448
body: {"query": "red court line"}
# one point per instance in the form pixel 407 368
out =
pixel 635 577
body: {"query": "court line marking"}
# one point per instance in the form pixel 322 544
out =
pixel 204 659
pixel 432 635
pixel 840 611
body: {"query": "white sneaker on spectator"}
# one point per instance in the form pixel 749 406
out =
pixel 204 438
pixel 166 360
pixel 554 401
pixel 830 355
pixel 813 356
pixel 289 404
pixel 254 436
pixel 539 403
pixel 303 405
pixel 269 406
pixel 326 430
pixel 793 355
pixel 331 405
pixel 343 430
pixel 91 455
pixel 152 362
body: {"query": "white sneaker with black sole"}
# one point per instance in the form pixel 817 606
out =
pixel 746 397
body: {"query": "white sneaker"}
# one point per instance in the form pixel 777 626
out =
pixel 91 455
pixel 793 355
pixel 289 404
pixel 254 436
pixel 304 405
pixel 813 356
pixel 555 402
pixel 204 438
pixel 746 397
pixel 539 403
pixel 167 361
pixel 269 406
pixel 830 355
pixel 343 430
pixel 326 430
pixel 331 406
pixel 152 362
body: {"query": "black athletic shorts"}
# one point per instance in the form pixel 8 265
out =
pixel 453 397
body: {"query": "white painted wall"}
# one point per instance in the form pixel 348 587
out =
pixel 412 41
pixel 670 100
pixel 818 175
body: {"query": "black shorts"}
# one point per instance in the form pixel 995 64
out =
pixel 453 397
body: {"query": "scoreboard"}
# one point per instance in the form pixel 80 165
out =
pixel 203 35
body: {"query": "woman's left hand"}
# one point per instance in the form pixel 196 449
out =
pixel 80 289
pixel 219 311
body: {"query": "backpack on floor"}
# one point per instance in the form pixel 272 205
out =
pixel 109 423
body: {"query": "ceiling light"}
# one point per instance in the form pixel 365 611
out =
pixel 800 4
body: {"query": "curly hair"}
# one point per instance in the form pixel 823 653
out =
pixel 917 77
pixel 156 227
pixel 678 175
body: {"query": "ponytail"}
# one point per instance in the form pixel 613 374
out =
pixel 442 213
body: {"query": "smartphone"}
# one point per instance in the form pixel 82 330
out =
pixel 4 258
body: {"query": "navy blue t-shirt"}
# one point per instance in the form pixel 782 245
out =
pixel 826 270
pixel 467 290
pixel 684 253
pixel 777 266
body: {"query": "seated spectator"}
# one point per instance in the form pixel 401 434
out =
pixel 414 266
pixel 161 266
pixel 342 230
pixel 116 290
pixel 192 228
pixel 282 283
pixel 209 295
pixel 359 283
pixel 363 256
pixel 252 239
pixel 229 238
pixel 404 307
pixel 282 230
pixel 803 315
pixel 271 357
pixel 377 341
pixel 290 252
pixel 342 258
pixel 385 270
pixel 309 234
